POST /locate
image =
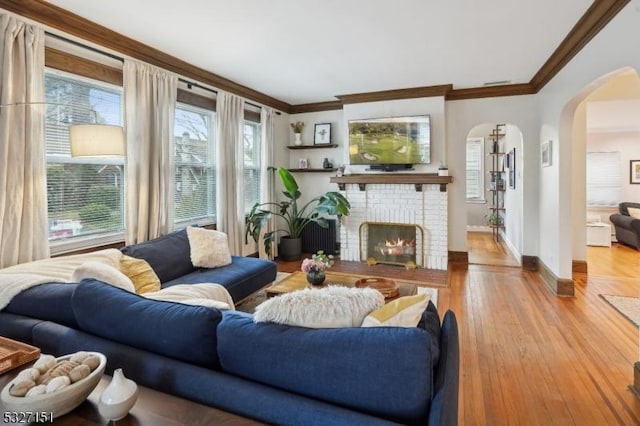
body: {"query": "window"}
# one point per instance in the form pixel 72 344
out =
pixel 604 178
pixel 251 164
pixel 475 169
pixel 194 158
pixel 85 195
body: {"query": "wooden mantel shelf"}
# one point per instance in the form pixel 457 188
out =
pixel 417 179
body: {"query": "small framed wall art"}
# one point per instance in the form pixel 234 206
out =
pixel 322 134
pixel 546 153
pixel 634 172
pixel 303 163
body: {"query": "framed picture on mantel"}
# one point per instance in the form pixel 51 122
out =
pixel 322 134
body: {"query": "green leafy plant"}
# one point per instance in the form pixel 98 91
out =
pixel 494 219
pixel 295 218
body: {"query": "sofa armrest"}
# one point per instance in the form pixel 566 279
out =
pixel 444 404
pixel 625 221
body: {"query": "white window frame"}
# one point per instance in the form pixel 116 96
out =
pixel 57 247
pixel 258 166
pixel 479 142
pixel 201 221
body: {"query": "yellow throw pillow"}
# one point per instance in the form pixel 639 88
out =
pixel 402 312
pixel 140 273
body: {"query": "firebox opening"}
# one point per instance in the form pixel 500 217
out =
pixel 396 244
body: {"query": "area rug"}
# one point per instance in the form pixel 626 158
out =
pixel 626 305
pixel 249 304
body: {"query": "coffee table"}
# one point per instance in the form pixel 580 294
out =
pixel 298 281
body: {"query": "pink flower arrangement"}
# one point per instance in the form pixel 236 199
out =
pixel 318 262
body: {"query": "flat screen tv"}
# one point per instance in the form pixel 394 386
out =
pixel 390 143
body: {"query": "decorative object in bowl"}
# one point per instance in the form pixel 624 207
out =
pixel 66 386
pixel 118 398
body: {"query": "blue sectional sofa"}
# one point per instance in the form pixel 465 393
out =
pixel 269 372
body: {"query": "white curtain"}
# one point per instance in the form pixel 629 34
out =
pixel 150 100
pixel 267 177
pixel 230 168
pixel 23 170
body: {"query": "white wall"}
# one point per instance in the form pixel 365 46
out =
pixel 462 116
pixel 513 197
pixel 614 48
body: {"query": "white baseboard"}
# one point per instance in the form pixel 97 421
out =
pixel 471 228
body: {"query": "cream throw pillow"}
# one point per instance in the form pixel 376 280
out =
pixel 102 272
pixel 329 307
pixel 209 248
pixel 634 212
pixel 402 312
pixel 203 294
pixel 140 273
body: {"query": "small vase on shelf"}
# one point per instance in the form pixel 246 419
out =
pixel 315 277
pixel 297 139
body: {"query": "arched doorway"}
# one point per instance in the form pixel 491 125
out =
pixel 490 177
pixel 602 118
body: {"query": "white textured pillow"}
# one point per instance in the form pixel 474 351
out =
pixel 329 307
pixel 209 248
pixel 634 212
pixel 103 272
pixel 401 312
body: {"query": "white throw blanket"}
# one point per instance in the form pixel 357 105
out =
pixel 18 278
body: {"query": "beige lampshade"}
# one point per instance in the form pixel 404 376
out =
pixel 96 140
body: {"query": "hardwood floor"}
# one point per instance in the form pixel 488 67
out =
pixel 484 250
pixel 529 357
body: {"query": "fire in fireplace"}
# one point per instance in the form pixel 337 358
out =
pixel 390 243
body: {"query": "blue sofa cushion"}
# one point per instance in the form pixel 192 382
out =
pixel 243 277
pixel 169 255
pixel 50 302
pixel 17 327
pixel 384 371
pixel 179 331
pixel 430 322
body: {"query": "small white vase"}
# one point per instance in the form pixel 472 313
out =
pixel 118 398
pixel 297 139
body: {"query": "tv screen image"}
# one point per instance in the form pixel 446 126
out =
pixel 392 140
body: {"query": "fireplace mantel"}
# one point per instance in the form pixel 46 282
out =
pixel 417 179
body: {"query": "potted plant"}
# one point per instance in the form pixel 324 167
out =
pixel 297 131
pixel 494 219
pixel 316 266
pixel 295 218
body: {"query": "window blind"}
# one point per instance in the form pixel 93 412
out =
pixel 85 195
pixel 194 159
pixel 475 169
pixel 604 178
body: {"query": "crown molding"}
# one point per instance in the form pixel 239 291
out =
pixel 491 91
pixel 599 14
pixel 389 95
pixel 70 23
pixel 316 107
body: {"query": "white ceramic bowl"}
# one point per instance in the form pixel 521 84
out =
pixel 60 402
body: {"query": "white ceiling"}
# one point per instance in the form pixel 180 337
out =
pixel 302 51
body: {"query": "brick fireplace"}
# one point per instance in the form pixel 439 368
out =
pixel 402 199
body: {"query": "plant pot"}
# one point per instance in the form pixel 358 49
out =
pixel 290 248
pixel 297 139
pixel 443 172
pixel 315 277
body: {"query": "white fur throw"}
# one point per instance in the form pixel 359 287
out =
pixel 204 294
pixel 329 307
pixel 209 248
pixel 103 272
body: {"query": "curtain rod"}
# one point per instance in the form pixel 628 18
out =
pixel 189 84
